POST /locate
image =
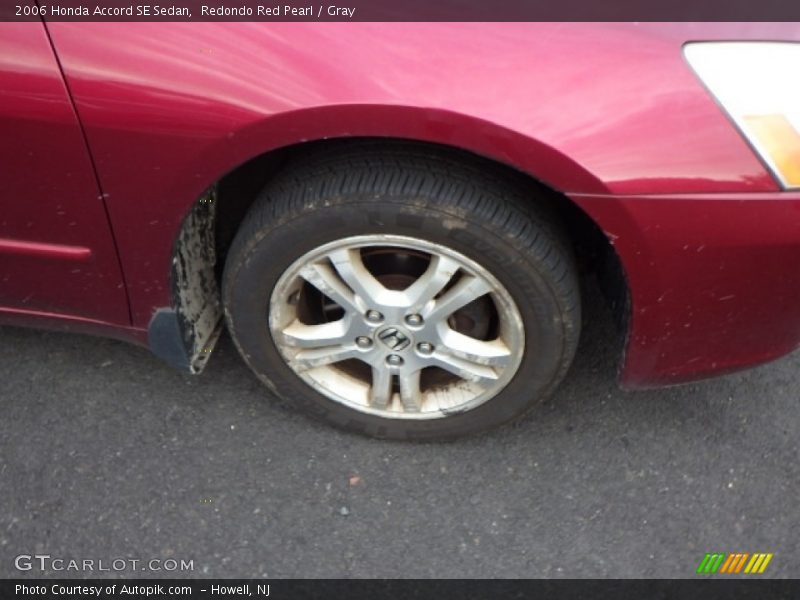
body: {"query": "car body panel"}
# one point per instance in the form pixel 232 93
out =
pixel 713 278
pixel 57 254
pixel 609 114
pixel 185 103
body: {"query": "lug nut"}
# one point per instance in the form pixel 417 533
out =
pixel 363 342
pixel 414 320
pixel 394 360
pixel 425 348
pixel 373 316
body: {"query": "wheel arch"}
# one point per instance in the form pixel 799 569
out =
pixel 232 194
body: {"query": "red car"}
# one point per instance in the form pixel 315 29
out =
pixel 395 220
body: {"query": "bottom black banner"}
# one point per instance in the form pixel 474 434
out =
pixel 280 589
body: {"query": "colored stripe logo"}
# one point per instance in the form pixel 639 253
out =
pixel 734 563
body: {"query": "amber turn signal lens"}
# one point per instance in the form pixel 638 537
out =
pixel 780 142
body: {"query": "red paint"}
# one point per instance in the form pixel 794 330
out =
pixel 713 279
pixel 170 108
pixel 607 113
pixel 51 206
pixel 55 251
pixel 71 324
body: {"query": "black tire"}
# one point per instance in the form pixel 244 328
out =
pixel 407 190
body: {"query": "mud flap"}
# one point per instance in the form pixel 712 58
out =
pixel 184 334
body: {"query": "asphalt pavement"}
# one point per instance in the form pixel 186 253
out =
pixel 108 454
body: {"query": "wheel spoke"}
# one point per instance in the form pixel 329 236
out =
pixel 380 393
pixel 300 335
pixel 439 272
pixel 494 353
pixel 410 393
pixel 323 277
pixel 465 369
pixel 319 357
pixel 467 289
pixel 351 268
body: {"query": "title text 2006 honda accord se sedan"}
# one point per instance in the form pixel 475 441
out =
pixel 395 220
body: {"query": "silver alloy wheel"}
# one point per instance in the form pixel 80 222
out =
pixel 376 322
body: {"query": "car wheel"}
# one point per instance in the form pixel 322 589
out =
pixel 401 293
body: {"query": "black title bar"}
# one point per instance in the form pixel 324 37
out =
pixel 400 10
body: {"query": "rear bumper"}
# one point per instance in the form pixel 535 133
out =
pixel 714 280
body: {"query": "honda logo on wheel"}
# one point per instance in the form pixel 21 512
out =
pixel 394 338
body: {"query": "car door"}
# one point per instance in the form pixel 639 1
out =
pixel 57 253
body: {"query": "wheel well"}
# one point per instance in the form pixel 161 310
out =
pixel 595 255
